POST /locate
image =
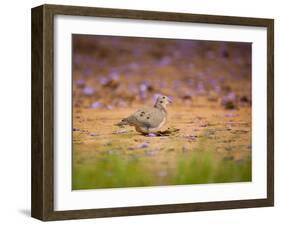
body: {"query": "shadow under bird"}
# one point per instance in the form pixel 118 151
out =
pixel 149 119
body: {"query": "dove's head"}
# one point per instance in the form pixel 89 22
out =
pixel 162 101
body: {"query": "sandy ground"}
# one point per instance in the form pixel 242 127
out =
pixel 228 132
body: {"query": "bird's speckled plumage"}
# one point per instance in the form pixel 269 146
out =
pixel 149 119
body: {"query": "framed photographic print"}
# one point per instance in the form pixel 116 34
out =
pixel 141 112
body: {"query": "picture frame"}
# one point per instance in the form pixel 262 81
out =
pixel 43 108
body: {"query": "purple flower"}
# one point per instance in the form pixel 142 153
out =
pixel 80 82
pixel 96 105
pixel 88 71
pixel 230 97
pixel 122 103
pixel 88 91
pixel 231 115
pixel 151 135
pixel 143 87
pixel 133 66
pixel 165 61
pixel 114 75
pixel 103 80
pixel 217 88
pixel 200 88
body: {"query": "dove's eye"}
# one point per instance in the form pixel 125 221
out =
pixel 163 97
pixel 161 102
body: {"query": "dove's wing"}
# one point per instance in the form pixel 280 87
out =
pixel 148 117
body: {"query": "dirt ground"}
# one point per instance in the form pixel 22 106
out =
pixel 228 131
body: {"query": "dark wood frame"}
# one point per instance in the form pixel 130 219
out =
pixel 42 203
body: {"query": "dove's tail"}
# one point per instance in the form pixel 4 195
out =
pixel 123 122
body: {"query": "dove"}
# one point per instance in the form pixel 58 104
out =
pixel 149 119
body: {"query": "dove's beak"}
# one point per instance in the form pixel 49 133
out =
pixel 170 101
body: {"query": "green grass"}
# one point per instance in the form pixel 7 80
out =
pixel 204 165
pixel 202 168
pixel 110 172
pixel 199 166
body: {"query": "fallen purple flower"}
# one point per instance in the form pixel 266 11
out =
pixel 143 87
pixel 122 103
pixel 103 80
pixel 80 82
pixel 134 66
pixel 231 115
pixel 152 135
pixel 200 89
pixel 88 91
pixel 229 97
pixel 165 61
pixel 114 75
pixel 96 105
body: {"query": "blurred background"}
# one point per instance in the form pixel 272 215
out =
pixel 115 72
